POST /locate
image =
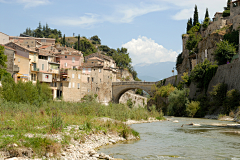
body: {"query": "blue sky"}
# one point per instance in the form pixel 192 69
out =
pixel 150 29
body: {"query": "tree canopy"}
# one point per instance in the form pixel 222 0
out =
pixel 44 31
pixel 195 16
pixel 95 39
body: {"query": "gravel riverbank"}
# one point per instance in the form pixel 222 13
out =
pixel 84 148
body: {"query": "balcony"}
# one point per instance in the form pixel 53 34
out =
pixel 56 79
pixel 55 71
pixel 15 68
pixel 34 69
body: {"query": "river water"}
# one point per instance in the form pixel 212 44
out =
pixel 168 140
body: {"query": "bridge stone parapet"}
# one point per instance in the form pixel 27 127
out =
pixel 119 88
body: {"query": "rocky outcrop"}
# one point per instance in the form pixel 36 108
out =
pixel 136 99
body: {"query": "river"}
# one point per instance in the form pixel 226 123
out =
pixel 168 140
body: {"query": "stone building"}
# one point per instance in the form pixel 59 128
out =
pixel 11 67
pixel 4 38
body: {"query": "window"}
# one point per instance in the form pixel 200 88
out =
pixel 34 58
pixel 78 85
pixel 73 84
pixel 88 90
pixel 60 84
pixel 89 69
pixel 55 84
pixel 69 85
pixel 84 70
pixel 73 59
pixel 72 75
pixel 65 64
pixel 92 79
pixel 18 60
pixel 46 76
pixel 99 70
pixel 100 80
pixel 33 77
pixel 88 79
pixel 42 66
pixel 79 76
pixel 65 56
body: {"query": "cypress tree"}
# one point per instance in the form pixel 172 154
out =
pixel 63 40
pixel 195 17
pixel 78 42
pixel 207 14
pixel 189 24
pixel 228 4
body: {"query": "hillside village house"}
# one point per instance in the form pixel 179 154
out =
pixel 11 67
pixel 63 68
pixel 4 38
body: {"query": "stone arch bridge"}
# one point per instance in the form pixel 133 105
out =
pixel 119 88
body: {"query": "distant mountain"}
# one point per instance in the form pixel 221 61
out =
pixel 155 71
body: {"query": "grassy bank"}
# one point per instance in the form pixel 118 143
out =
pixel 18 120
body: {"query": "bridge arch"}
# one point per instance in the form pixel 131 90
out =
pixel 119 88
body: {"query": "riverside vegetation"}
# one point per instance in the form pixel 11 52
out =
pixel 27 109
pixel 174 100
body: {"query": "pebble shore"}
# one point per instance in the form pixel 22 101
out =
pixel 78 150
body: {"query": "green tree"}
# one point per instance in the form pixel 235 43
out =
pixel 224 52
pixel 206 22
pixel 177 102
pixel 95 39
pixel 122 58
pixel 189 25
pixel 3 60
pixel 195 17
pixel 206 14
pixel 38 31
pixel 63 40
pixel 192 108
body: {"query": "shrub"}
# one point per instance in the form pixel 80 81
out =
pixel 218 94
pixel 186 79
pixel 130 103
pixel 232 100
pixel 206 22
pixel 224 52
pixel 192 108
pixel 177 102
pixel 226 13
pixel 202 74
pixel 204 105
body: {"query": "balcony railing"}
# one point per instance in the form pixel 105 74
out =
pixel 66 79
pixel 56 71
pixel 35 69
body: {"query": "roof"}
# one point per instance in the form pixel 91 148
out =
pixel 218 13
pixel 96 58
pixel 99 55
pixel 44 52
pixel 4 34
pixel 6 47
pixel 30 38
pixel 69 53
pixel 43 47
pixel 28 49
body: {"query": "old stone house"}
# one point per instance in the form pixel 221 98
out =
pixel 11 67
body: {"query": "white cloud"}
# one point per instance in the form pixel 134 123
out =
pixel 146 50
pixel 122 14
pixel 33 3
pixel 28 3
pixel 187 7
pixel 83 21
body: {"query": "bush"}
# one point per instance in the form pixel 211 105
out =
pixel 226 13
pixel 202 74
pixel 186 79
pixel 192 108
pixel 204 105
pixel 218 94
pixel 232 100
pixel 177 102
pixel 22 92
pixel 224 52
pixel 206 22
pixel 130 103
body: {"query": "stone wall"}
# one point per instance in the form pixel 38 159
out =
pixel 136 99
